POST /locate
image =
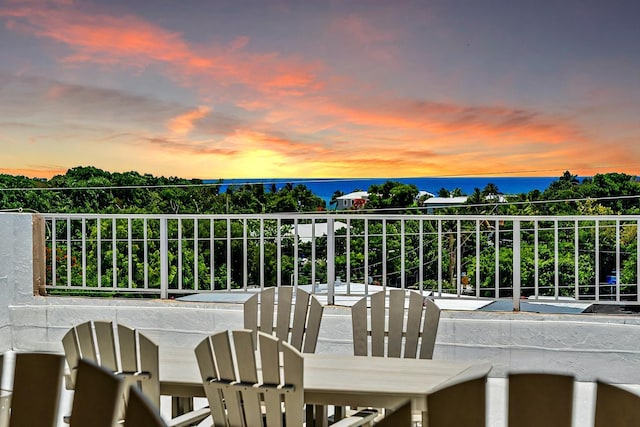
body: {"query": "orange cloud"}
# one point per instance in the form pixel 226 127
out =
pixel 35 172
pixel 100 38
pixel 184 123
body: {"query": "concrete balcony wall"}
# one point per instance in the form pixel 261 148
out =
pixel 588 346
pixel 16 268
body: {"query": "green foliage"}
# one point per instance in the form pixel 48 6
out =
pixel 91 190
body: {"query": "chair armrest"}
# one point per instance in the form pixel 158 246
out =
pixel 190 418
pixel 362 417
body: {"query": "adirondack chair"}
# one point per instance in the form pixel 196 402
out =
pixel 273 311
pixel 35 395
pixel 249 386
pixel 390 335
pixel 540 399
pixel 444 405
pixel 381 331
pixel 118 348
pixel 297 323
pixel 616 407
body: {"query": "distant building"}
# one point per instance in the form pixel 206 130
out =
pixel 423 195
pixel 443 202
pixel 495 198
pixel 356 200
pixel 306 232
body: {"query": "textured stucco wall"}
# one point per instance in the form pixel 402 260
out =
pixel 589 346
pixel 16 272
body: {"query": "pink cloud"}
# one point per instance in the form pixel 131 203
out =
pixel 104 39
pixel 362 33
pixel 184 123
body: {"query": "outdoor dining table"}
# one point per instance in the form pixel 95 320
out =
pixel 340 379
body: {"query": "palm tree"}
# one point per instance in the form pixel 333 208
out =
pixel 334 198
pixel 490 190
pixel 568 178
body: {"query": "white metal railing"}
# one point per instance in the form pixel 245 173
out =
pixel 593 258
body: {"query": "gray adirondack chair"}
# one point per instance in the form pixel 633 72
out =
pixel 274 311
pixel 5 398
pixel 141 412
pixel 444 405
pixel 118 348
pixel 35 395
pixel 382 331
pixel 98 396
pixel 540 399
pixel 616 407
pixel 249 386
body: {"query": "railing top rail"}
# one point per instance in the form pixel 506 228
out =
pixel 354 215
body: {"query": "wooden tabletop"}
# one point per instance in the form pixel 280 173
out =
pixel 331 379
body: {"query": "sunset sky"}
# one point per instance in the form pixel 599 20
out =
pixel 324 88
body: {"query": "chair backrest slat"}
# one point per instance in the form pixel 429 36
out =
pixel 414 321
pixel 359 326
pixel 313 326
pixel 245 356
pixel 250 312
pixel 267 309
pixel 293 376
pixel 128 349
pixel 86 344
pixel 299 323
pixel 72 354
pixel 429 329
pixel 540 399
pixel 273 412
pixel 293 366
pixel 150 363
pixel 224 357
pixel 396 320
pixel 378 324
pixel 283 321
pixel 251 406
pixel 270 359
pixel 105 340
pixel 37 384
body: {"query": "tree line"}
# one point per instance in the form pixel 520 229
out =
pixel 91 190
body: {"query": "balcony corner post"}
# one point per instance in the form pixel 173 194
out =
pixel 39 255
pixel 164 259
pixel 516 265
pixel 331 261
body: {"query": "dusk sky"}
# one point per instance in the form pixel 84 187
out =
pixel 338 88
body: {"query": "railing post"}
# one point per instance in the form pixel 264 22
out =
pixel 331 261
pixel 516 265
pixel 39 255
pixel 164 259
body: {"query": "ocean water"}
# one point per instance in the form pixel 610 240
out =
pixel 326 187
